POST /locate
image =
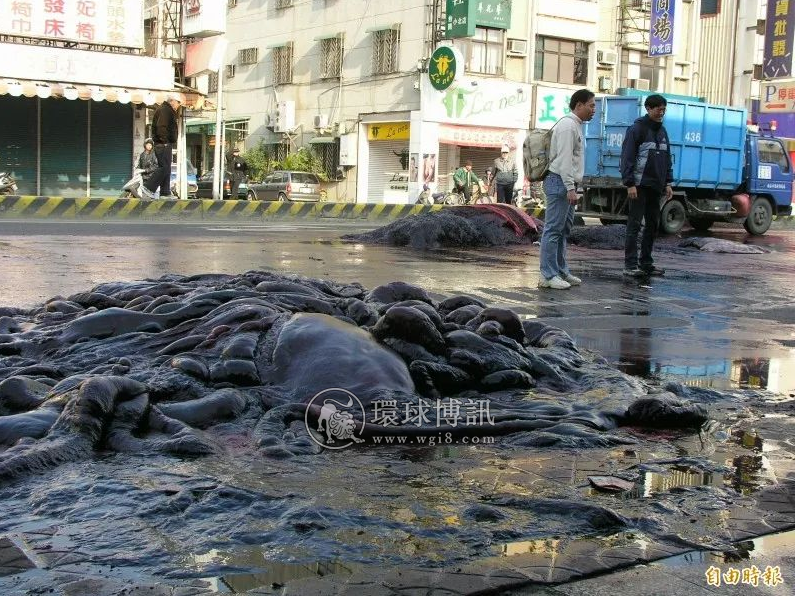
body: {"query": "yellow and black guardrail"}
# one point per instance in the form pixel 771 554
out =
pixel 32 207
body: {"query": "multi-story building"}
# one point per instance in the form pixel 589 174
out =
pixel 74 78
pixel 732 42
pixel 350 79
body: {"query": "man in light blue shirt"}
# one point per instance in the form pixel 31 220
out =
pixel 566 168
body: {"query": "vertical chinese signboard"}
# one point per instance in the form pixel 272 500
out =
pixel 661 29
pixel 777 62
pixel 104 22
pixel 464 15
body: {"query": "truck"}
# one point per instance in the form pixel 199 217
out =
pixel 721 170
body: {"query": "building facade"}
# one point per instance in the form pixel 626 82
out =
pixel 74 83
pixel 350 79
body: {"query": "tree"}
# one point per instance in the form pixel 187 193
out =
pixel 261 160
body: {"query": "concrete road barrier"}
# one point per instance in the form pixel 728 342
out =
pixel 31 207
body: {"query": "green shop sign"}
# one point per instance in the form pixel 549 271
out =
pixel 464 15
pixel 442 67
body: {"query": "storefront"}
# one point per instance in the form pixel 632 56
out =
pixel 73 121
pixel 470 120
pixel 387 162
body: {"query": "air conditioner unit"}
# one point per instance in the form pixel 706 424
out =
pixel 606 57
pixel 283 119
pixel 321 121
pixel 640 84
pixel 605 83
pixel 517 47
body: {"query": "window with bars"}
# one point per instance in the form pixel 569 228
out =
pixel 231 3
pixel 284 3
pixel 248 56
pixel 329 156
pixel 561 61
pixel 386 44
pixel 710 8
pixel 212 82
pixel 283 64
pixel 637 65
pixel 485 51
pixel 230 71
pixel 331 58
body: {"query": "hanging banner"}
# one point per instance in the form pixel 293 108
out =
pixel 777 61
pixel 661 30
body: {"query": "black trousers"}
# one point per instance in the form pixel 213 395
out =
pixel 236 180
pixel 465 190
pixel 162 176
pixel 646 208
pixel 505 193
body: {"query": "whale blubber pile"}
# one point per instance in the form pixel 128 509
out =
pixel 143 367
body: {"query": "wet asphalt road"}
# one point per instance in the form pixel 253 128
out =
pixel 714 320
pixel 719 320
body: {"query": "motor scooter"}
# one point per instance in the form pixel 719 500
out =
pixel 135 187
pixel 8 186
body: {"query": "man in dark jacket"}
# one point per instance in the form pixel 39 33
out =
pixel 164 134
pixel 646 171
pixel 238 170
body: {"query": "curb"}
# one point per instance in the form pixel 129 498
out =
pixel 33 207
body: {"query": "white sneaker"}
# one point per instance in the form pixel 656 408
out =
pixel 572 279
pixel 555 283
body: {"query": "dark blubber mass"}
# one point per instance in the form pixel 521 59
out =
pixel 484 225
pixel 151 366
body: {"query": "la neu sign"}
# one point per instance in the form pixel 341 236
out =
pixel 478 103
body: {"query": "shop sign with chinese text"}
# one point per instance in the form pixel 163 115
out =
pixel 552 103
pixel 102 22
pixel 661 30
pixel 777 61
pixel 464 15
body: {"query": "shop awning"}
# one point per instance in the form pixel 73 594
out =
pixel 150 97
pixel 321 140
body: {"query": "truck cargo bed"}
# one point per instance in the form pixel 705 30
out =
pixel 707 142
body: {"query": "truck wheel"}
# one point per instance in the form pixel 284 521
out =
pixel 672 217
pixel 761 216
pixel 700 225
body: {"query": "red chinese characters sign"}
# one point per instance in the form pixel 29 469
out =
pixel 102 22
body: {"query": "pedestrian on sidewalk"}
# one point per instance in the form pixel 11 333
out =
pixel 505 175
pixel 566 168
pixel 164 134
pixel 147 163
pixel 647 172
pixel 238 170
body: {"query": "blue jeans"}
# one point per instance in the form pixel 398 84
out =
pixel 558 221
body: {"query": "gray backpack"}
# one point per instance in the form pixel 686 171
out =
pixel 536 153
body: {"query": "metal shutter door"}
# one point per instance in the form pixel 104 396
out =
pixel 382 160
pixel 481 158
pixel 64 147
pixel 18 141
pixel 111 147
pixel 447 167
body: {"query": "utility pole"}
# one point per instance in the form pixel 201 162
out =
pixel 218 165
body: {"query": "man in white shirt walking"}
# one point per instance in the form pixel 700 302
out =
pixel 566 168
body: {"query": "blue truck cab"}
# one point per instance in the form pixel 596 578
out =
pixel 721 171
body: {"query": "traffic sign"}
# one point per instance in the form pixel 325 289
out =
pixel 777 97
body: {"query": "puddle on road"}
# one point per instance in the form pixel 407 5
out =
pixel 275 575
pixel 763 547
